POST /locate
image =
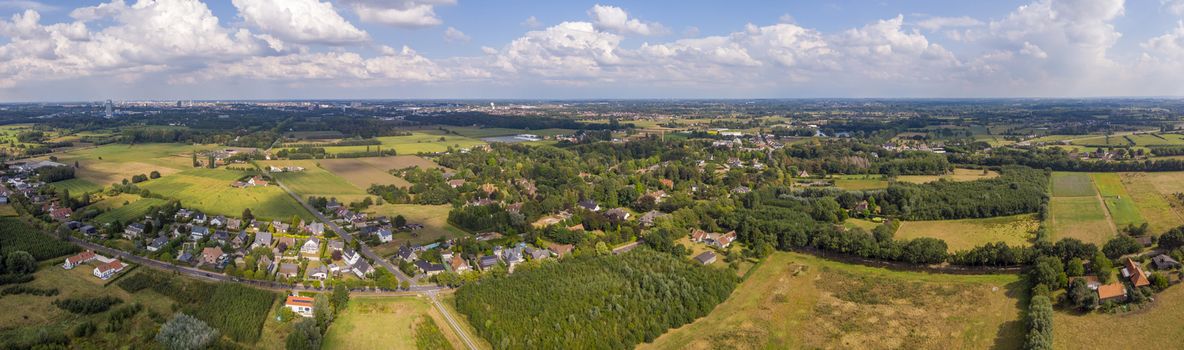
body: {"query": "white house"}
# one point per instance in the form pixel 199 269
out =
pixel 109 269
pixel 300 305
pixel 79 259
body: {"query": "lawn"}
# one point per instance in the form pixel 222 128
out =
pixel 1153 205
pixel 434 218
pixel 135 209
pixel 1149 329
pixel 1072 185
pixel 959 174
pixel 209 190
pixel 7 210
pixel 430 141
pixel 388 323
pixel 1079 217
pixel 1017 230
pixel 362 172
pixel 794 300
pixel 1120 204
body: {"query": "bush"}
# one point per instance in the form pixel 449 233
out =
pixel 14 290
pixel 87 306
pixel 12 279
pixel 1039 324
pixel 186 332
pixel 1121 245
pixel 20 262
pixel 85 329
pixel 305 336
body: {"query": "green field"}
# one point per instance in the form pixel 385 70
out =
pixel 134 210
pixel 209 190
pixel 959 174
pixel 388 323
pixel 419 141
pixel 434 218
pixel 1154 206
pixel 798 301
pixel 1148 329
pixel 1120 204
pixel 1079 217
pixel 1071 185
pixel 76 186
pixel 476 132
pixel 1017 230
pixel 109 164
pixel 313 180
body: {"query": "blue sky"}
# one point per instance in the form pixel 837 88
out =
pixel 215 49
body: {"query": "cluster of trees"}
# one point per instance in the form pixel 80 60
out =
pixel 186 332
pixel 1059 160
pixel 235 310
pixel 55 173
pixel 649 293
pixel 307 334
pixel 511 122
pixel 87 306
pixel 1018 190
pixel 17 235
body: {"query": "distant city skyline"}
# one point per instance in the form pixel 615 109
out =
pixel 456 49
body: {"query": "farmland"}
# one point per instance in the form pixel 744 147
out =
pixel 430 141
pixel 794 300
pixel 1072 185
pixel 1154 206
pixel 1079 217
pixel 136 208
pixel 108 164
pixel 964 234
pixel 388 323
pixel 1143 329
pixel 77 186
pixel 1122 208
pixel 16 235
pixel 478 133
pixel 209 190
pixel 313 180
pixel 434 218
pixel 860 182
pixel 362 172
pixel 959 174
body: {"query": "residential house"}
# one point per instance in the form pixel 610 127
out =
pixel 199 218
pixel 265 264
pixel 183 214
pixel 319 272
pixel 428 268
pixel 513 256
pixel 648 219
pixel 721 241
pixel 61 214
pixel 459 264
pixel 218 221
pixel 262 239
pixel 486 262
pixel 589 205
pixel 285 243
pixel 302 306
pixel 617 214
pixel 88 230
pixel 185 257
pixel 288 270
pixel 332 206
pixel 706 258
pixel 315 228
pixel 456 183
pixel 78 259
pixel 241 239
pixel 1112 292
pixel 406 253
pixel 741 190
pixel 1164 262
pixel 561 250
pixel 257 181
pixel 280 226
pixel 1145 241
pixel 211 255
pixel 351 257
pixel 234 224
pixel 336 245
pixel 196 233
pixel 385 235
pixel 220 236
pixel 1135 273
pixel 133 230
pixel 311 248
pixel 362 268
pixel 537 253
pixel 108 269
pixel 667 183
pixel 158 243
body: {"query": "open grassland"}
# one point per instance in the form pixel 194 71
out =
pixel 1154 206
pixel 1112 140
pixel 135 209
pixel 797 301
pixel 1148 329
pixel 476 133
pixel 860 182
pixel 108 164
pixel 76 186
pixel 1081 218
pixel 313 180
pixel 1017 230
pixel 209 190
pixel 1157 139
pixel 6 210
pixel 363 172
pixel 867 225
pixel 1122 208
pixel 434 218
pixel 429 141
pixel 1072 185
pixel 389 323
pixel 959 174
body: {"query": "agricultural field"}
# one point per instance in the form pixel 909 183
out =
pixel 1146 329
pixel 76 186
pixel 109 164
pixel 434 218
pixel 477 133
pixel 860 182
pixel 135 209
pixel 959 174
pixel 1083 218
pixel 1066 184
pixel 1157 139
pixel 362 172
pixel 964 234
pixel 313 180
pixel 428 141
pixel 1155 206
pixel 390 323
pixel 1120 204
pixel 795 300
pixel 209 190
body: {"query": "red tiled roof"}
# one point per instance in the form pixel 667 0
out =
pixel 1138 277
pixel 83 256
pixel 113 265
pixel 298 300
pixel 1113 290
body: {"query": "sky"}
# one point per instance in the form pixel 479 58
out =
pixel 81 50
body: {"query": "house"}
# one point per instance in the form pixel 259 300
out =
pixel 1112 292
pixel 262 239
pixel 88 230
pixel 536 253
pixel 648 219
pixel 234 224
pixel 617 214
pixel 513 256
pixel 315 228
pixel 319 272
pixel 285 243
pixel 78 259
pixel 406 253
pixel 332 206
pixel 210 255
pixel 336 245
pixel 186 257
pixel 456 183
pixel 302 306
pixel 803 173
pixel 385 235
pixel 288 270
pixel 133 231
pixel 218 221
pixel 257 181
pixel 428 268
pixel 265 264
pixel 221 236
pixel 741 190
pixel 487 262
pixel 183 214
pixel 351 257
pixel 73 225
pixel 240 239
pixel 717 240
pixel 1135 273
pixel 589 205
pixel 459 264
pixel 1144 240
pixel 61 214
pixel 199 218
pixel 706 258
pixel 561 250
pixel 311 248
pixel 1164 262
pixel 667 183
pixel 198 232
pixel 280 226
pixel 158 243
pixel 362 268
pixel 106 270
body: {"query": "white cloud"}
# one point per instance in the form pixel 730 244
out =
pixel 1174 6
pixel 615 19
pixel 934 24
pixel 27 5
pixel 532 23
pixel 339 68
pixel 399 13
pixel 301 21
pixel 455 35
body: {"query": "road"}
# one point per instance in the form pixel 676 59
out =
pixel 464 336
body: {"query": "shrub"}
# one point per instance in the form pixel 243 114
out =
pixel 14 290
pixel 85 329
pixel 1039 324
pixel 186 332
pixel 87 306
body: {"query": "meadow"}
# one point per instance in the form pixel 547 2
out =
pixel 1017 230
pixel 1154 206
pixel 109 164
pixel 795 300
pixel 1066 184
pixel 76 186
pixel 427 141
pixel 860 182
pixel 434 218
pixel 389 323
pixel 209 190
pixel 1083 218
pixel 362 172
pixel 1146 329
pixel 959 174
pixel 313 181
pixel 135 208
pixel 1120 204
pixel 477 133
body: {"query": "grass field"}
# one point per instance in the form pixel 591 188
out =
pixel 1017 230
pixel 434 218
pixel 209 190
pixel 797 301
pixel 1141 330
pixel 1079 217
pixel 76 186
pixel 7 210
pixel 861 184
pixel 135 209
pixel 108 164
pixel 387 323
pixel 860 223
pixel 1122 208
pixel 1154 206
pixel 362 172
pixel 959 174
pixel 420 141
pixel 1071 185
pixel 313 180
pixel 476 133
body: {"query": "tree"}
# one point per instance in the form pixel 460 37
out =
pixel 1121 245
pixel 20 262
pixel 186 332
pixel 322 309
pixel 305 336
pixel 400 221
pixel 1081 296
pixel 247 216
pixel 340 296
pixel 1103 267
pixel 1049 271
pixel 1159 281
pixel 1039 324
pixel 195 163
pixel 1172 239
pixel 154 174
pixel 1075 268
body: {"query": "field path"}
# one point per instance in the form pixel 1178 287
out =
pixel 1106 210
pixel 451 322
